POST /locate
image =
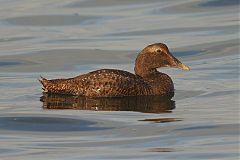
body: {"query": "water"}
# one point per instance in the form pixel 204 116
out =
pixel 66 38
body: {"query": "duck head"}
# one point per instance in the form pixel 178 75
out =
pixel 156 56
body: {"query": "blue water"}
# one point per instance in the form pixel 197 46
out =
pixel 59 39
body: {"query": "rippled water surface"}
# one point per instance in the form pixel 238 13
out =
pixel 65 38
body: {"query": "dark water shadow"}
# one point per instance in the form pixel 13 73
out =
pixel 13 39
pixel 106 3
pixel 9 63
pixel 215 30
pixel 219 3
pixel 161 150
pixel 162 120
pixel 54 20
pixel 192 7
pixel 47 124
pixel 145 104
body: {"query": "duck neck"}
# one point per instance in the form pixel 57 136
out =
pixel 142 67
pixel 144 71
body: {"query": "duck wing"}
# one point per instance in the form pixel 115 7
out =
pixel 100 83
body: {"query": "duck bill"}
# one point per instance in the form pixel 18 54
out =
pixel 180 65
pixel 183 66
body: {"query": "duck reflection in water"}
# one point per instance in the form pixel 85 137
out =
pixel 146 104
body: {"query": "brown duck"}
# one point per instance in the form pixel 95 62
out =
pixel 117 83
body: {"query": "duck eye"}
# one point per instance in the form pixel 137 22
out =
pixel 159 50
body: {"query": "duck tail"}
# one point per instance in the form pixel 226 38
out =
pixel 45 83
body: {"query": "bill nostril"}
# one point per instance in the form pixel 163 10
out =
pixel 165 62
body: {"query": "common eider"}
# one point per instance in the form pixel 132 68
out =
pixel 117 83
